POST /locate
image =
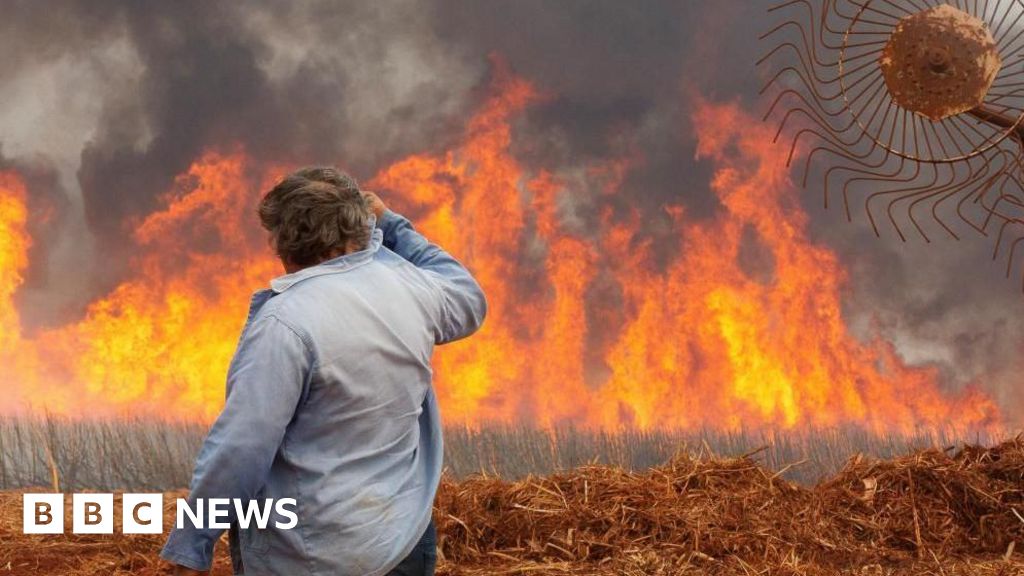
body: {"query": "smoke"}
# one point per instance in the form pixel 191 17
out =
pixel 48 209
pixel 122 96
pixel 210 77
pixel 106 102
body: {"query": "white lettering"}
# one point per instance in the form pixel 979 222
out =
pixel 219 508
pixel 282 511
pixel 185 510
pixel 252 510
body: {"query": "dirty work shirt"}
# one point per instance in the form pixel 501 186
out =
pixel 329 402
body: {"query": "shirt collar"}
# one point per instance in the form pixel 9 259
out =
pixel 335 265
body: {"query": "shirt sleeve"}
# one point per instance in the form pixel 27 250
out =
pixel 266 381
pixel 463 305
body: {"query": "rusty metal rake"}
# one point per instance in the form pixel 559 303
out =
pixel 913 107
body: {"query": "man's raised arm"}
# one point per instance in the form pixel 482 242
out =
pixel 464 304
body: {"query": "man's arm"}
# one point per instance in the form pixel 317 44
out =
pixel 463 303
pixel 265 384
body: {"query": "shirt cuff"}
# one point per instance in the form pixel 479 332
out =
pixel 387 219
pixel 187 558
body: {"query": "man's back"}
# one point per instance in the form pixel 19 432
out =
pixel 333 369
pixel 368 479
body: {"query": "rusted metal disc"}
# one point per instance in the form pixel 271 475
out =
pixel 940 62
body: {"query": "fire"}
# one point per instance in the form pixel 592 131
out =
pixel 14 246
pixel 704 341
pixel 160 342
pixel 718 345
pixel 165 338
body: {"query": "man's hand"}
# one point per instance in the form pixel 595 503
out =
pixel 183 571
pixel 376 204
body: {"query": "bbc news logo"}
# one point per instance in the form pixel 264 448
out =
pixel 144 513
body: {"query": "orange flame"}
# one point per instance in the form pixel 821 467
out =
pixel 14 245
pixel 16 358
pixel 702 342
pixel 160 342
pixel 719 346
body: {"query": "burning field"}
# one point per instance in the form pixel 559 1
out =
pixel 586 327
pixel 928 513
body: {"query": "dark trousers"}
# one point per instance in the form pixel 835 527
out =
pixel 420 562
pixel 423 558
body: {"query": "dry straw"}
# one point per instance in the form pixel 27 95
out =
pixel 929 513
pixel 934 512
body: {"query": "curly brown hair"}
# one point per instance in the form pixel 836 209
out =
pixel 315 213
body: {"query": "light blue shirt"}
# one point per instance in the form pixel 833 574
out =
pixel 329 402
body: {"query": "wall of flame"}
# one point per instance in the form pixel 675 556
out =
pixel 701 342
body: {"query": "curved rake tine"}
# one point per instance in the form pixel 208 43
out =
pixel 823 25
pixel 869 172
pixel 1001 174
pixel 818 108
pixel 888 150
pixel 827 135
pixel 983 185
pixel 996 212
pixel 809 68
pixel 908 193
pixel 810 104
pixel 943 193
pixel 857 159
pixel 810 46
pixel 813 114
pixel 899 191
pixel 1012 256
pixel 813 87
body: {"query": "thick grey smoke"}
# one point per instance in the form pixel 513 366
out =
pixel 118 97
pixel 49 211
pixel 209 75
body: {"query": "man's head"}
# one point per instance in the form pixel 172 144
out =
pixel 315 214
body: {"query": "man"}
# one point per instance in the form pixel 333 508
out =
pixel 329 397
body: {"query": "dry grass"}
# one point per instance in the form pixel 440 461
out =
pixel 929 513
pixel 138 454
pixel 932 512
